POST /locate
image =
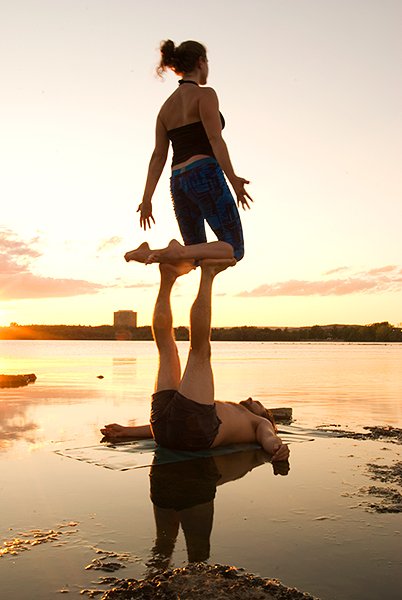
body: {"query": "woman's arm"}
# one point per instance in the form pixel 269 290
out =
pixel 156 164
pixel 210 117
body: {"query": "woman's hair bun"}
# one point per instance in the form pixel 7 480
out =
pixel 181 59
pixel 168 50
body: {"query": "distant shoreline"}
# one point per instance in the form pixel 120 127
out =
pixel 376 332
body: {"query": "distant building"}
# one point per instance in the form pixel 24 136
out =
pixel 124 318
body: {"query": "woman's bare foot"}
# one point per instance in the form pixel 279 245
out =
pixel 177 269
pixel 216 265
pixel 140 254
pixel 220 252
pixel 173 252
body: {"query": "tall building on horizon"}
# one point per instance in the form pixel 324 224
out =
pixel 124 318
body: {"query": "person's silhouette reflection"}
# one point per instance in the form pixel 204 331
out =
pixel 183 495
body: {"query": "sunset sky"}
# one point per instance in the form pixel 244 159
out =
pixel 311 91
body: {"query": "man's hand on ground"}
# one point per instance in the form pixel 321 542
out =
pixel 281 452
pixel 113 430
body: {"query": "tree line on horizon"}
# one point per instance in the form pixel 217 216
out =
pixel 376 332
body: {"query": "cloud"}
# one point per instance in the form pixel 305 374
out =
pixel 121 282
pixel 109 243
pixel 8 266
pixel 15 254
pixel 17 281
pixel 10 244
pixel 337 270
pixel 380 270
pixel 28 285
pixel 370 281
pixel 140 285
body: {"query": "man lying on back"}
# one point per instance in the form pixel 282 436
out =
pixel 184 413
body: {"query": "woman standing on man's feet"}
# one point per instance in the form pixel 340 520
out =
pixel 191 120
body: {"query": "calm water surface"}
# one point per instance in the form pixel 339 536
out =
pixel 307 528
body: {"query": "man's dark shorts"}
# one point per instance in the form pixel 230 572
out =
pixel 184 484
pixel 182 424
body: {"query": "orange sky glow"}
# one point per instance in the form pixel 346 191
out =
pixel 311 93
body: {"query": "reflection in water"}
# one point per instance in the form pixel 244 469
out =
pixel 183 495
pixel 14 424
pixel 128 360
pixel 24 413
pixel 346 384
pixel 124 371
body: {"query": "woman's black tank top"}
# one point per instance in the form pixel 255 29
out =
pixel 189 140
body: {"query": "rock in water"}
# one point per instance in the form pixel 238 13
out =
pixel 282 415
pixel 16 380
pixel 204 582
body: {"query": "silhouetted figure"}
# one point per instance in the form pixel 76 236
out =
pixel 191 121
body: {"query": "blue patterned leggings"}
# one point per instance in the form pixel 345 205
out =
pixel 200 193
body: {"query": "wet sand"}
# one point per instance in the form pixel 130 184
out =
pixel 385 498
pixel 388 433
pixel 382 495
pixel 209 582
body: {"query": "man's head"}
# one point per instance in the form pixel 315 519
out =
pixel 259 409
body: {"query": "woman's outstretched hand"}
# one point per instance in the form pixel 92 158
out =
pixel 145 210
pixel 242 195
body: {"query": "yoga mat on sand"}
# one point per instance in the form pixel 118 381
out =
pixel 143 453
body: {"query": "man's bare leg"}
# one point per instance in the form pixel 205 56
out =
pixel 197 382
pixel 175 251
pixel 169 371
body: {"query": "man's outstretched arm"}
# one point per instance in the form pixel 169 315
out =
pixel 271 443
pixel 113 430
